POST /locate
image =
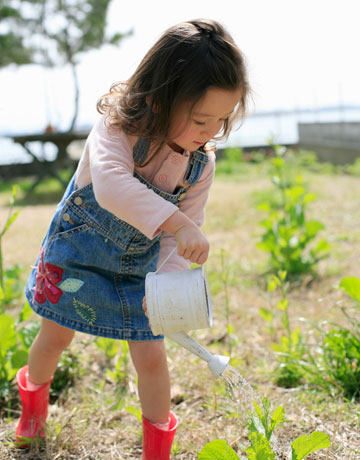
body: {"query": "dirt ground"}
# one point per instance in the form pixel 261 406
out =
pixel 85 422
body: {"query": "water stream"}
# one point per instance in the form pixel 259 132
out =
pixel 243 395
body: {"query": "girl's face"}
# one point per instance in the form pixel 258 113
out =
pixel 206 119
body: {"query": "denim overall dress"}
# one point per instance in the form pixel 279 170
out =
pixel 90 273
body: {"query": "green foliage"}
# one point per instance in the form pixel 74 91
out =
pixel 9 289
pixel 289 237
pixel 289 348
pixel 115 348
pixel 261 428
pixel 16 337
pixel 66 373
pixel 354 169
pixel 13 48
pixel 219 450
pixel 56 33
pixel 334 365
pixel 305 445
pixel 232 162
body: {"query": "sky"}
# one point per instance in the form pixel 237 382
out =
pixel 300 53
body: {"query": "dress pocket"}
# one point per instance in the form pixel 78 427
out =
pixel 83 248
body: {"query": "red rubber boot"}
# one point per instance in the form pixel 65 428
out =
pixel 34 409
pixel 156 442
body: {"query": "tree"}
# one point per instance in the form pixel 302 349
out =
pixel 65 29
pixel 13 50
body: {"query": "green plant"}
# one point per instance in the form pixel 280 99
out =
pixel 289 348
pixel 334 365
pixel 113 348
pixel 232 162
pixel 16 337
pixel 261 428
pixel 66 373
pixel 354 169
pixel 288 234
pixel 8 286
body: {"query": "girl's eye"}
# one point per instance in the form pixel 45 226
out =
pixel 198 122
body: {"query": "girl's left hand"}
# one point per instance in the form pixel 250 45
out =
pixel 144 306
pixel 145 309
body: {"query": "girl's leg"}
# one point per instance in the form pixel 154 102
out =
pixel 34 380
pixel 149 359
pixel 46 350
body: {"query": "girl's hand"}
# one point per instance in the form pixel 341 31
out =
pixel 144 306
pixel 192 244
pixel 145 309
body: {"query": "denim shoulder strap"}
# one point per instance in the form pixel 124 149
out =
pixel 196 166
pixel 140 150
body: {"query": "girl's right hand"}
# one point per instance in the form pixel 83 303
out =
pixel 192 244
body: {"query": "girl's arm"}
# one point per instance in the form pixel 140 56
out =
pixel 190 241
pixel 108 163
pixel 191 215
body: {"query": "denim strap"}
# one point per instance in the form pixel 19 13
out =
pixel 197 163
pixel 141 149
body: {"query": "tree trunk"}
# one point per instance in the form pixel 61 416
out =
pixel 76 98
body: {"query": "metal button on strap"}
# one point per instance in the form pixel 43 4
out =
pixel 78 200
pixel 66 217
pixel 182 196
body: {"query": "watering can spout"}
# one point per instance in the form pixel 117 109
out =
pixel 216 363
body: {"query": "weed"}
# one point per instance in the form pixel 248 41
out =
pixel 288 233
pixel 335 363
pixel 113 348
pixel 262 441
pixel 289 348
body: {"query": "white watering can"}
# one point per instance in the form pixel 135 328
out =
pixel 180 301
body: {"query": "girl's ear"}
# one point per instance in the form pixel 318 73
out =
pixel 154 107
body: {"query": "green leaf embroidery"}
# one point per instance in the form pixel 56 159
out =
pixel 84 310
pixel 305 445
pixel 71 285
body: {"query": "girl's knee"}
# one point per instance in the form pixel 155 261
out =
pixel 148 356
pixel 53 337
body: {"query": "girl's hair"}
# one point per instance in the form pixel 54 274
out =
pixel 187 60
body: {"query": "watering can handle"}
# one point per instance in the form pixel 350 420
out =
pixel 167 258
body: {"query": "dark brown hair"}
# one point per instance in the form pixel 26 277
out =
pixel 187 60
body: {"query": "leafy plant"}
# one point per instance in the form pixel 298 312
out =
pixel 289 348
pixel 6 280
pixel 335 364
pixel 67 371
pixel 16 337
pixel 114 348
pixel 261 428
pixel 288 233
pixel 232 162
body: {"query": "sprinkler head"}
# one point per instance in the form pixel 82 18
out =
pixel 218 364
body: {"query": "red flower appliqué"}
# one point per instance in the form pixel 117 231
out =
pixel 47 277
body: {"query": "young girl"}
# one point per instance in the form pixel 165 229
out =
pixel 139 191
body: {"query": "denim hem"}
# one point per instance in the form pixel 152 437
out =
pixel 75 325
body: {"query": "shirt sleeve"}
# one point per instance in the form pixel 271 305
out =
pixel 194 207
pixel 115 187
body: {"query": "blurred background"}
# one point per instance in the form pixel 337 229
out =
pixel 303 62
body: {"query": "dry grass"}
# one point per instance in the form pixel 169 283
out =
pixel 81 423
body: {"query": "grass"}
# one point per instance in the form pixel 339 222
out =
pixel 95 424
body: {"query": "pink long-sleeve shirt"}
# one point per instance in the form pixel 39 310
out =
pixel 107 162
